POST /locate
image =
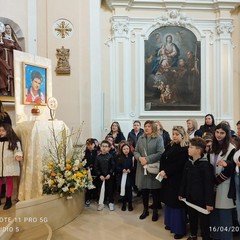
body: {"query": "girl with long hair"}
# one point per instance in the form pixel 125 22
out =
pixel 221 158
pixel 116 132
pixel 124 169
pixel 11 154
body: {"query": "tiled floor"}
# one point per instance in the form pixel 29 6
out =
pixel 109 225
pixel 114 225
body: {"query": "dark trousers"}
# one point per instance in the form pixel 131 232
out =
pixel 133 176
pixel 108 190
pixel 128 194
pixel 92 193
pixel 145 197
pixel 194 217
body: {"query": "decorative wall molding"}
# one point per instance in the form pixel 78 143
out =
pixel 174 18
pixel 126 46
pixel 210 35
pixel 120 29
pixel 224 28
pixel 205 5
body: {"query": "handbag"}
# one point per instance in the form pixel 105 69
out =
pixel 153 168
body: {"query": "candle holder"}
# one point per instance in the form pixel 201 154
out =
pixel 35 111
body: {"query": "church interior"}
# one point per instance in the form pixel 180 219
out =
pixel 105 61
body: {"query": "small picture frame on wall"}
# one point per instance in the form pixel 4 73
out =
pixel 34 84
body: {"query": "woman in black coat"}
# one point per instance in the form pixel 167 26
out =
pixel 209 124
pixel 171 170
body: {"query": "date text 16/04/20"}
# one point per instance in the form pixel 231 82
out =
pixel 224 229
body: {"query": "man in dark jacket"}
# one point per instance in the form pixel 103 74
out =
pixel 135 133
pixel 132 138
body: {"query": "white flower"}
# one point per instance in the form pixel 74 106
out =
pixel 65 189
pixel 75 168
pixel 63 170
pixel 62 167
pixel 67 173
pixel 60 182
pixel 76 162
pixel 45 168
pixel 84 162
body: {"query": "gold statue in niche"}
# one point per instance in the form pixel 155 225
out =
pixel 63 66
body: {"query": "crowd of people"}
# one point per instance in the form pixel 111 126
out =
pixel 198 179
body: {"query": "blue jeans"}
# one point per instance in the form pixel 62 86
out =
pixel 237 183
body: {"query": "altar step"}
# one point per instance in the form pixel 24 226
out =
pixel 40 232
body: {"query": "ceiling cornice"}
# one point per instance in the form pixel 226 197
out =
pixel 181 4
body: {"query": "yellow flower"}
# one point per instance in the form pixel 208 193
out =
pixel 61 171
pixel 51 182
pixel 50 164
pixel 79 174
pixel 74 177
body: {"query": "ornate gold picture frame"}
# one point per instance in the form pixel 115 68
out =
pixel 34 84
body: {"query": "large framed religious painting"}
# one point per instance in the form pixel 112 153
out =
pixel 172 70
pixel 34 84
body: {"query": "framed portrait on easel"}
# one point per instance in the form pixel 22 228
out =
pixel 34 84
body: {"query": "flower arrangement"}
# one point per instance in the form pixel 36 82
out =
pixel 63 169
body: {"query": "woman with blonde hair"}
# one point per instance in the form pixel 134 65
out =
pixel 192 127
pixel 148 150
pixel 171 170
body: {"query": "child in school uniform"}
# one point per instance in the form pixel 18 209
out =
pixel 124 167
pixel 197 187
pixel 104 168
pixel 11 154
